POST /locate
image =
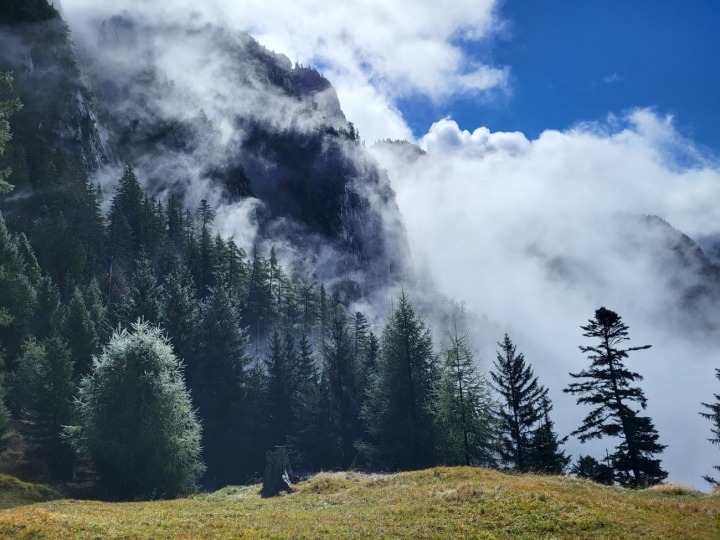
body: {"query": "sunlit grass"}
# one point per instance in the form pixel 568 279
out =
pixel 436 503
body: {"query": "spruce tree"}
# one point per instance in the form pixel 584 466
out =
pixel 340 373
pixel 7 108
pixel 44 392
pixel 713 415
pixel 590 468
pixel 398 410
pixel 468 427
pixel 80 333
pixel 607 386
pixel 546 456
pixel 134 418
pixel 142 298
pixel 215 376
pixel 180 316
pixel 521 408
pixel 280 364
pixel 304 406
pixel 47 318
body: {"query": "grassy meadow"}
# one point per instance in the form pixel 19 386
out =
pixel 436 503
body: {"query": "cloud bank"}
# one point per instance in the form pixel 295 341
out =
pixel 534 235
pixel 374 52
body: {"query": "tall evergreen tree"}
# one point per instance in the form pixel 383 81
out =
pixel 48 315
pixel 280 366
pixel 180 316
pixel 142 299
pixel 215 376
pixel 607 386
pixel 468 427
pixel 80 333
pixel 44 392
pixel 305 407
pixel 17 295
pixel 125 235
pixel 522 396
pixel 7 108
pixel 713 415
pixel 398 410
pixel 342 385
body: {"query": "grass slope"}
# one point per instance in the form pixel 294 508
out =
pixel 14 492
pixel 437 503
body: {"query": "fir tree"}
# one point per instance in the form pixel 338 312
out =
pixel 607 387
pixel 44 391
pixel 48 315
pixel 215 376
pixel 713 415
pixel 7 109
pixel 79 331
pixel 17 295
pixel 280 364
pixel 180 314
pixel 342 386
pixel 135 421
pixel 521 409
pixel 546 456
pixel 464 410
pixel 590 468
pixel 142 299
pixel 398 410
pixel 304 406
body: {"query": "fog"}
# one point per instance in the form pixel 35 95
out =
pixel 536 235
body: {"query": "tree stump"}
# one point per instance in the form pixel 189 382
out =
pixel 278 473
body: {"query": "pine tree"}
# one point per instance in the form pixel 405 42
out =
pixel 468 428
pixel 714 416
pixel 44 391
pixel 546 456
pixel 606 386
pixel 135 421
pixel 521 409
pixel 398 410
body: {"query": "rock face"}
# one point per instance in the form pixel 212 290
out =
pixel 207 113
pixel 57 107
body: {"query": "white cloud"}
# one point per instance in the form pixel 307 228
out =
pixel 374 51
pixel 535 236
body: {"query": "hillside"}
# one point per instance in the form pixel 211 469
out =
pixel 436 503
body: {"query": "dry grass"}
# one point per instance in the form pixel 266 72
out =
pixel 674 488
pixel 436 503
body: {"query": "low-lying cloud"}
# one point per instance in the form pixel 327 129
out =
pixel 536 234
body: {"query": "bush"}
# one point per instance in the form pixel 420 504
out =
pixel 135 421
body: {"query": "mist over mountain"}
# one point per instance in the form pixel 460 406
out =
pixel 203 111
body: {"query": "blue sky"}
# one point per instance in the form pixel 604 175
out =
pixel 580 60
